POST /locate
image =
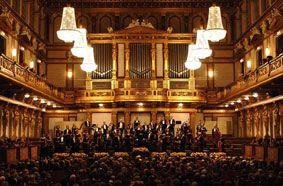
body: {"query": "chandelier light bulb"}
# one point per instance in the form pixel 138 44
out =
pixel 80 45
pixel 192 62
pixel 88 64
pixel 68 30
pixel 215 31
pixel 202 49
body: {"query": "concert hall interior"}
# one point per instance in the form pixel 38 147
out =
pixel 132 92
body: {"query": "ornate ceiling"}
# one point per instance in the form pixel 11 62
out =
pixel 227 4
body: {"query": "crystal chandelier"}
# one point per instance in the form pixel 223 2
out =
pixel 192 62
pixel 202 49
pixel 68 30
pixel 88 64
pixel 215 31
pixel 80 44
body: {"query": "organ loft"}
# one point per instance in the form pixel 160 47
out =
pixel 166 76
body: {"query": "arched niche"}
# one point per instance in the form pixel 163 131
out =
pixel 104 23
pixel 84 22
pixel 175 23
pixel 153 20
pixel 197 22
pixel 126 21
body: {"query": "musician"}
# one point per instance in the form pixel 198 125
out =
pixel 67 136
pixel 104 130
pixel 171 126
pixel 216 135
pixel 136 123
pixel 121 126
pixel 201 133
pixel 163 125
pixel 58 132
pixel 74 128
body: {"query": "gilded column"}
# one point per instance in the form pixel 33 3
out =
pixel 192 81
pixel 88 83
pixel 249 124
pixel 6 121
pixel 276 120
pixel 11 122
pixel 265 120
pixel 16 122
pixel 32 124
pixel 114 83
pixel 166 83
pixel 241 124
pixel 25 123
pixel 127 82
pixel 256 123
pixel 127 61
pixel 38 125
pixel 153 67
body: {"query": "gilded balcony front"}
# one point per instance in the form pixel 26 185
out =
pixel 262 75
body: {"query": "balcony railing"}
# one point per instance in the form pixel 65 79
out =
pixel 134 94
pixel 29 79
pixel 263 74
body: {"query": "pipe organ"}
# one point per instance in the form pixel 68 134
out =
pixel 140 61
pixel 177 68
pixel 103 58
pixel 141 53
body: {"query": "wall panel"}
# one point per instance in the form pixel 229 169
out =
pixel 224 74
pixel 56 74
pixel 98 118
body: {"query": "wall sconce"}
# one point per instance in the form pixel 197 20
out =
pixel 31 64
pixel 249 64
pixel 210 73
pixel 69 74
pixel 100 105
pixel 22 48
pixel 14 53
pixel 268 54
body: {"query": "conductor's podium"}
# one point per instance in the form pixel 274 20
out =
pixel 8 155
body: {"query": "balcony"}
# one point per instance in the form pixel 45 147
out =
pixel 262 75
pixel 14 72
pixel 134 94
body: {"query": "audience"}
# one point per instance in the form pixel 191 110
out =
pixel 142 170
